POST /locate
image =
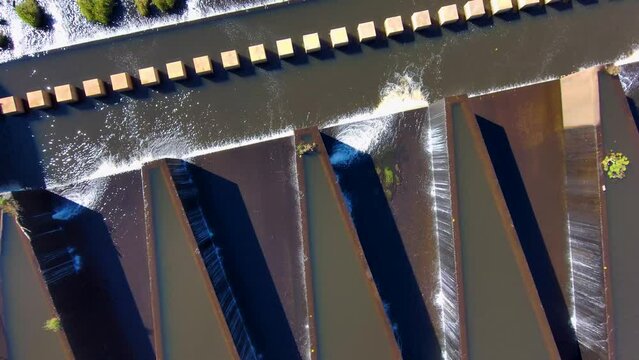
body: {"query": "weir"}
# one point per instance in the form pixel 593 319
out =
pixel 348 314
pixel 188 318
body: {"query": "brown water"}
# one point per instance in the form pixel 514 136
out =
pixel 348 321
pixel 179 117
pixel 191 329
pixel 500 314
pixel 26 307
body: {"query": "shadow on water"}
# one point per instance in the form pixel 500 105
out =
pixel 386 255
pixel 246 268
pixel 633 110
pixel 530 237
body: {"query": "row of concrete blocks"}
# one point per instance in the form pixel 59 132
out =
pixel 446 15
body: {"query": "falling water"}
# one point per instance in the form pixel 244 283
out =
pixel 447 299
pixel 212 257
pixel 58 264
pixel 585 234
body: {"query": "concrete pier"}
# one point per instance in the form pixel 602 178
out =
pixel 500 6
pixel 393 26
pixel 474 9
pixel 65 94
pixel 149 76
pixel 11 105
pixel 230 60
pixel 257 53
pixel 285 48
pixel 202 65
pixel 121 82
pixel 339 37
pixel 176 70
pixel 366 31
pixel 448 14
pixel 523 4
pixel 311 43
pixel 94 88
pixel 420 20
pixel 38 99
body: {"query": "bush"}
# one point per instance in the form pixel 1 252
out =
pixel 30 12
pixel 615 165
pixel 142 6
pixel 305 148
pixel 612 70
pixel 97 10
pixel 4 40
pixel 164 5
pixel 53 324
pixel 9 205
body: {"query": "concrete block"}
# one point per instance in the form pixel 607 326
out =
pixel 474 9
pixel 580 98
pixel 65 94
pixel 285 48
pixel 311 42
pixel 366 31
pixel 339 37
pixel 38 99
pixel 202 65
pixel 500 6
pixel 257 54
pixel 552 1
pixel 393 26
pixel 523 4
pixel 11 105
pixel 121 82
pixel 230 60
pixel 176 70
pixel 420 20
pixel 94 88
pixel 149 76
pixel 448 14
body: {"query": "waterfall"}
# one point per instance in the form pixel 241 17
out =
pixel 212 257
pixel 436 140
pixel 585 234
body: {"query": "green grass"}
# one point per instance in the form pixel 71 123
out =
pixel 53 324
pixel 99 11
pixel 164 5
pixel 30 12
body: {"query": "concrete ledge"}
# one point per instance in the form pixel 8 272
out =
pixel 285 48
pixel 420 20
pixel 176 70
pixel 38 99
pixel 448 14
pixel 311 43
pixel 523 4
pixel 94 88
pixel 230 60
pixel 149 76
pixel 580 98
pixel 11 105
pixel 366 31
pixel 257 53
pixel 121 82
pixel 393 26
pixel 65 94
pixel 203 65
pixel 339 37
pixel 474 9
pixel 500 6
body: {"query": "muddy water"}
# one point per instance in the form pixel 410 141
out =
pixel 500 315
pixel 348 322
pixel 26 307
pixel 178 117
pixel 190 328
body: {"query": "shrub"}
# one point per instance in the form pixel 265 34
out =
pixel 9 205
pixel 30 12
pixel 142 6
pixel 615 165
pixel 97 10
pixel 53 324
pixel 612 70
pixel 4 40
pixel 164 5
pixel 305 148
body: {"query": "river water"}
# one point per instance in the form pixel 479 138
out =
pixel 101 137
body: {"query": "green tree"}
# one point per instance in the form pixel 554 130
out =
pixel 99 11
pixel 30 12
pixel 142 6
pixel 164 5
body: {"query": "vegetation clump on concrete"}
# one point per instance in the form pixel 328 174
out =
pixel 612 70
pixel 54 324
pixel 99 11
pixel 30 12
pixel 615 165
pixel 164 5
pixel 305 148
pixel 389 178
pixel 9 205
